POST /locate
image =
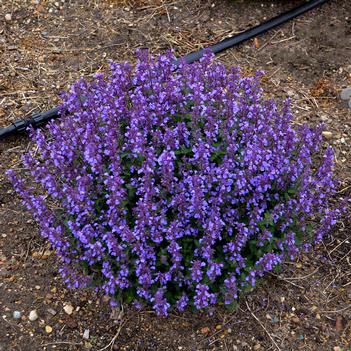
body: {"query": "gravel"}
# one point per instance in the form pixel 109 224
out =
pixel 68 309
pixel 86 334
pixel 16 314
pixel 33 315
pixel 345 94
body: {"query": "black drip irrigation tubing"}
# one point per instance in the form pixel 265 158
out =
pixel 39 119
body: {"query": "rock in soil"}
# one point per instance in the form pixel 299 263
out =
pixel 33 315
pixel 86 334
pixel 68 309
pixel 345 94
pixel 16 314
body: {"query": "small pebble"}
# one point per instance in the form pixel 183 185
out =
pixel 86 334
pixel 327 134
pixel 48 329
pixel 257 347
pixel 33 315
pixel 68 309
pixel 8 17
pixel 345 94
pixel 16 314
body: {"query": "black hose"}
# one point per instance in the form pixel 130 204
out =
pixel 41 118
pixel 255 31
pixel 36 120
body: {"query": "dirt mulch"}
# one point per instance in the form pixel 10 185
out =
pixel 47 45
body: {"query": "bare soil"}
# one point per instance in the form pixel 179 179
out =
pixel 47 45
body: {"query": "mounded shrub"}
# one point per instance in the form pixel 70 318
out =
pixel 175 187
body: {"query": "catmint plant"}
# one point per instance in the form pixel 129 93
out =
pixel 175 187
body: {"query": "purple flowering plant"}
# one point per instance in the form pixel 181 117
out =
pixel 175 188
